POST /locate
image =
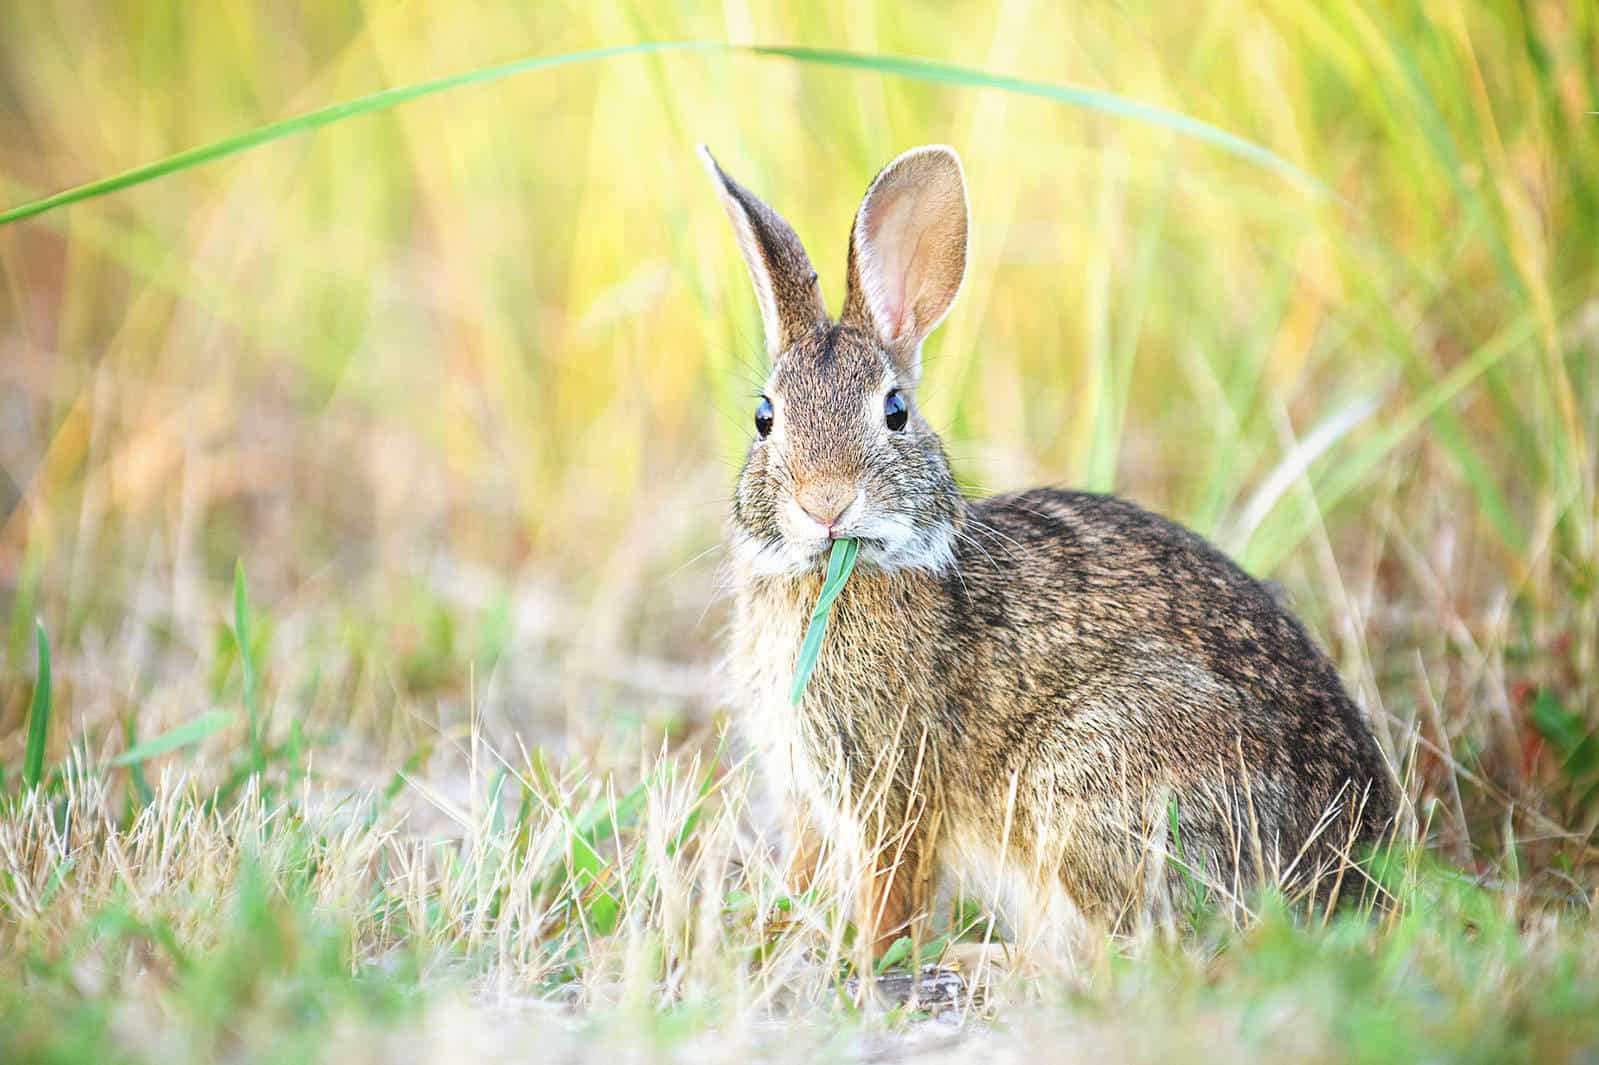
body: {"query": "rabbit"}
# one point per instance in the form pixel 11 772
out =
pixel 1052 690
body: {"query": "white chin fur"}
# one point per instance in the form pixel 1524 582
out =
pixel 897 546
pixel 893 543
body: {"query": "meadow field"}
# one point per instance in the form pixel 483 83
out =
pixel 363 483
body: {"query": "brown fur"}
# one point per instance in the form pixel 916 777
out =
pixel 1027 682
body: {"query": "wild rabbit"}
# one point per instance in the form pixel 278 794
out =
pixel 1059 691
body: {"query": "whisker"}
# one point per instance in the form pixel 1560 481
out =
pixel 967 538
pixel 983 526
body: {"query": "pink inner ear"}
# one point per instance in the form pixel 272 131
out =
pixel 888 257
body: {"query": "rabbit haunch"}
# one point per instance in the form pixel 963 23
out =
pixel 1026 684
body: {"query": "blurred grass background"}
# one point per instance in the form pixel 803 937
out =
pixel 466 383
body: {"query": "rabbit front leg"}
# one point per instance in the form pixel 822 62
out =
pixel 898 889
pixel 805 842
pixel 896 875
pixel 897 900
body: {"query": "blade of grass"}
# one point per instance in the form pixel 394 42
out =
pixel 1272 543
pixel 322 116
pixel 185 735
pixel 1297 462
pixel 140 793
pixel 24 596
pixel 840 564
pixel 897 952
pixel 908 67
pixel 693 818
pixel 58 876
pixel 1076 95
pixel 1196 892
pixel 39 715
pixel 241 636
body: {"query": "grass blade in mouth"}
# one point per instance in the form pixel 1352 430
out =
pixel 840 564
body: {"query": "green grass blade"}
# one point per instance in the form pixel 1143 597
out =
pixel 895 66
pixel 58 877
pixel 1075 95
pixel 840 564
pixel 39 716
pixel 1264 552
pixel 322 116
pixel 139 786
pixel 185 735
pixel 897 952
pixel 1196 892
pixel 241 637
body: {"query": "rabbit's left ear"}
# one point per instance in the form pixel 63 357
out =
pixel 907 252
pixel 785 284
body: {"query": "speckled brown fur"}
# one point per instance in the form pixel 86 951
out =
pixel 1029 681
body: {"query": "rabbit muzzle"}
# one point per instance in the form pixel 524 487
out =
pixel 830 505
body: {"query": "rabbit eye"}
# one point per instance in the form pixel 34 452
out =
pixel 763 417
pixel 895 411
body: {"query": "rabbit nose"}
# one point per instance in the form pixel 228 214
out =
pixel 825 503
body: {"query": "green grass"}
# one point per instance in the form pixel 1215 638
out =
pixel 840 564
pixel 900 66
pixel 38 715
pixel 241 641
pixel 285 933
pixel 463 373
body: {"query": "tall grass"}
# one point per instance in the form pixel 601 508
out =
pixel 465 381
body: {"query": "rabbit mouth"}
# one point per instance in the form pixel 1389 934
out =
pixel 923 550
pixel 816 554
pixel 776 555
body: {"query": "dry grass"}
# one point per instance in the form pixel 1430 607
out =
pixel 305 922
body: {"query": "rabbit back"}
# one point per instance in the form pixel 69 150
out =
pixel 1121 668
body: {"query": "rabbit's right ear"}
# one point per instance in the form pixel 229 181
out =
pixel 907 251
pixel 785 284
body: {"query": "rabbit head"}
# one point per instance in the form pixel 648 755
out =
pixel 840 448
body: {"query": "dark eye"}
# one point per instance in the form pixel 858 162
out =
pixel 895 411
pixel 763 416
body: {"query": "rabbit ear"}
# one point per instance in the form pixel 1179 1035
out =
pixel 907 252
pixel 785 284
